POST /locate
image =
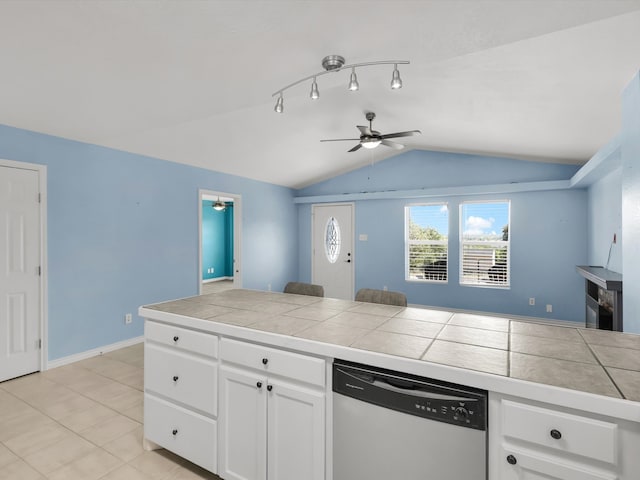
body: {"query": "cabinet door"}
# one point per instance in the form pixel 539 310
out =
pixel 523 465
pixel 296 432
pixel 242 425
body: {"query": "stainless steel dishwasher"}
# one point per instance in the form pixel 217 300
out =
pixel 392 426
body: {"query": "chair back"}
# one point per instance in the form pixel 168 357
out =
pixel 300 288
pixel 384 297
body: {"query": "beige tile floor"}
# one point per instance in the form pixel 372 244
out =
pixel 83 421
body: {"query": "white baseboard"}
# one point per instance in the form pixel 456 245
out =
pixel 524 318
pixel 218 279
pixel 59 362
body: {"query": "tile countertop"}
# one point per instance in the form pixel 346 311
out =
pixel 604 364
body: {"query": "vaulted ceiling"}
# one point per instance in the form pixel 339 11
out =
pixel 192 81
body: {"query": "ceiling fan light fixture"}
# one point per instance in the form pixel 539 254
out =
pixel 371 143
pixel 396 81
pixel 219 205
pixel 315 94
pixel 353 81
pixel 279 104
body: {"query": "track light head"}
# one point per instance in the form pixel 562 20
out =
pixel 279 104
pixel 353 81
pixel 396 81
pixel 315 94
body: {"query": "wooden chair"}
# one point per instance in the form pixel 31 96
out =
pixel 384 297
pixel 300 288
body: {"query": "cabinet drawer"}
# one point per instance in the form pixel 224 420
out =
pixel 579 435
pixel 196 342
pixel 275 362
pixel 525 465
pixel 184 433
pixel 181 377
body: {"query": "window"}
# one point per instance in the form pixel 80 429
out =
pixel 427 238
pixel 484 244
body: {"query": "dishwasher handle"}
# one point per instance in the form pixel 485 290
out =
pixel 413 392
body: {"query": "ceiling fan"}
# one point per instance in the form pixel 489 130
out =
pixel 370 138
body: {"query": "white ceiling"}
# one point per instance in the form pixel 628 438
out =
pixel 191 81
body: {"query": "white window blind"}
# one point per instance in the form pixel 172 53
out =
pixel 426 242
pixel 484 244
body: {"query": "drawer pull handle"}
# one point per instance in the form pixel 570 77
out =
pixel 176 338
pixel 259 384
pixel 511 460
pixel 555 434
pixel 175 378
pixel 175 432
pixel 265 361
pixel 269 387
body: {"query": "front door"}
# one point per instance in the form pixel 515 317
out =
pixel 19 272
pixel 332 249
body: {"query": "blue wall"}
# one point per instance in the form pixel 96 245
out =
pixel 123 231
pixel 217 241
pixel 548 232
pixel 605 220
pixel 630 153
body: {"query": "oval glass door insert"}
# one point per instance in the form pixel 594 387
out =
pixel 332 240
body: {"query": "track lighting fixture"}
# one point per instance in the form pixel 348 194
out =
pixel 279 104
pixel 335 63
pixel 315 94
pixel 353 81
pixel 396 82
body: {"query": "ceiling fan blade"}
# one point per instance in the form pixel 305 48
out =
pixel 341 140
pixel 364 130
pixel 402 134
pixel 357 147
pixel 391 144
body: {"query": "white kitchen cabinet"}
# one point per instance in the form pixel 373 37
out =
pixel 181 392
pixel 534 441
pixel 272 414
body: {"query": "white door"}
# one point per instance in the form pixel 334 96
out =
pixel 295 425
pixel 332 249
pixel 242 425
pixel 19 272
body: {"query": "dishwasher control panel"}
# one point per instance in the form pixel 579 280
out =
pixel 423 397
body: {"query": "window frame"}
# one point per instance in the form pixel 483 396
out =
pixel 506 285
pixel 408 242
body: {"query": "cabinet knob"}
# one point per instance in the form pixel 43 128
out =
pixel 175 432
pixel 265 361
pixel 269 387
pixel 259 384
pixel 175 378
pixel 511 460
pixel 555 434
pixel 176 338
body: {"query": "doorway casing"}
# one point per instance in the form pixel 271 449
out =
pixel 237 234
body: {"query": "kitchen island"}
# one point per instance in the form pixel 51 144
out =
pixel 537 375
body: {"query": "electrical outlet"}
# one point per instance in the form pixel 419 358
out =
pixel 385 288
pixel 269 287
pixel 128 318
pixel 549 308
pixel 532 301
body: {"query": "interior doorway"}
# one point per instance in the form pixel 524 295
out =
pixel 219 237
